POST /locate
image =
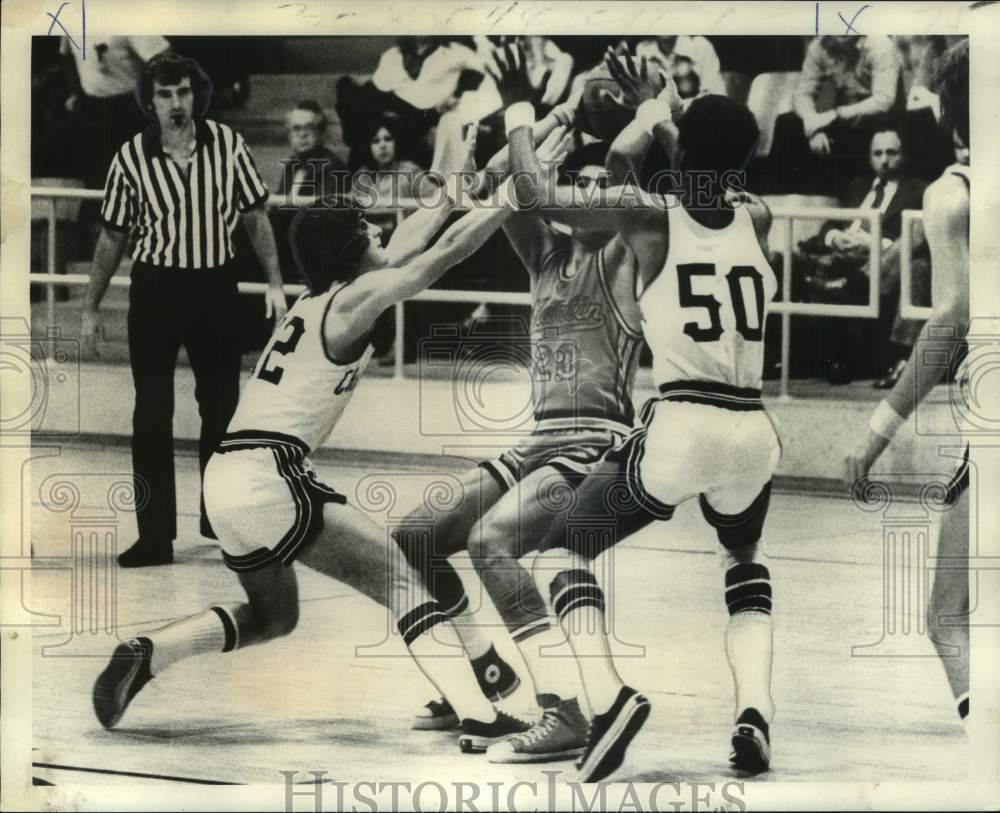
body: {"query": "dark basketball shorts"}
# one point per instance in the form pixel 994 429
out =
pixel 572 452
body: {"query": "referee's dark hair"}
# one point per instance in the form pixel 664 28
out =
pixel 169 68
pixel 717 134
pixel 952 84
pixel 328 240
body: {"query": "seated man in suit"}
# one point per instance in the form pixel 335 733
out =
pixel 833 265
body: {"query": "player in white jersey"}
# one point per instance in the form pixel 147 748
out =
pixel 261 491
pixel 946 224
pixel 704 283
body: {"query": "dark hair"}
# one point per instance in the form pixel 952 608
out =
pixel 328 240
pixel 390 122
pixel 894 126
pixel 169 68
pixel 312 106
pixel 717 134
pixel 952 83
pixel 593 154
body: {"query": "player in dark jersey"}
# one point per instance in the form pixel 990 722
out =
pixel 946 224
pixel 585 340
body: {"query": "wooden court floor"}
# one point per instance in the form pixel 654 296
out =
pixel 337 695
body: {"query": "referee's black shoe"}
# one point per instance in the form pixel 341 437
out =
pixel 146 554
pixel 610 734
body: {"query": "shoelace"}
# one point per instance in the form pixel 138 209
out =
pixel 541 729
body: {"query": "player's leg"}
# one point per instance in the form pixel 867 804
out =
pixel 749 637
pixel 515 525
pixel 737 507
pixel 271 610
pixel 511 528
pixel 948 608
pixel 568 549
pixel 353 549
pixel 428 536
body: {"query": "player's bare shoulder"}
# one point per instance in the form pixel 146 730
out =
pixel 946 200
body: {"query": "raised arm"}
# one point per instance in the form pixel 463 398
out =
pixel 639 85
pixel 363 300
pixel 530 236
pixel 415 232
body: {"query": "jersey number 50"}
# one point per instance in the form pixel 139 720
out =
pixel 686 272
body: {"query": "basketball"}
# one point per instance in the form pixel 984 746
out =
pixel 601 117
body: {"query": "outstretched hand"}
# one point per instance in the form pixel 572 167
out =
pixel 636 82
pixel 554 149
pixel 509 70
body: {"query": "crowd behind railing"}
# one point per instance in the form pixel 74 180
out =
pixel 847 123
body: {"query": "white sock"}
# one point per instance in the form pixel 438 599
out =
pixel 748 648
pixel 470 630
pixel 195 635
pixel 549 659
pixel 436 647
pixel 584 628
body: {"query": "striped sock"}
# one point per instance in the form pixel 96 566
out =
pixel 749 636
pixel 436 647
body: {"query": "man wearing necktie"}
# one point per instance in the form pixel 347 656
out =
pixel 841 256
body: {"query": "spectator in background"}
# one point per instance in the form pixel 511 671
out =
pixel 931 148
pixel 446 75
pixel 313 169
pixel 685 55
pixel 102 109
pixel 848 85
pixel 438 73
pixel 834 265
pixel 384 172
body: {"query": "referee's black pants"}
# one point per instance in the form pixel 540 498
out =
pixel 169 307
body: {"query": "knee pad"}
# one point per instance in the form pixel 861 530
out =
pixel 748 588
pixel 573 589
pixel 739 530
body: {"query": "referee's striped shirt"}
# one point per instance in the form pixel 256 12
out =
pixel 182 221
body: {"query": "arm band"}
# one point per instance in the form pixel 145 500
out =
pixel 651 112
pixel 519 114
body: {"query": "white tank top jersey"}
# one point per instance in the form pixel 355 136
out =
pixel 703 315
pixel 296 388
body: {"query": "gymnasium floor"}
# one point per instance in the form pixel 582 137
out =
pixel 308 702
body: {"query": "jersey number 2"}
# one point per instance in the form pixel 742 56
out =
pixel 686 272
pixel 283 347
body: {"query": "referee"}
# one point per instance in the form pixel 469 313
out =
pixel 178 188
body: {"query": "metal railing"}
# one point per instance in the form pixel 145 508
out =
pixel 783 307
pixel 907 310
